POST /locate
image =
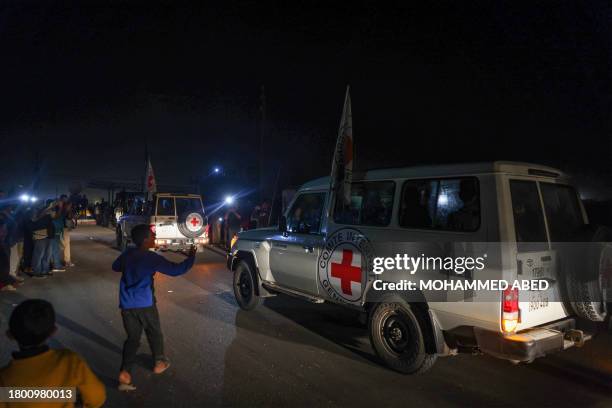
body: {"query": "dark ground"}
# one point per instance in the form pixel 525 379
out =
pixel 284 353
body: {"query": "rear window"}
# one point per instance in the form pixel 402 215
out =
pixel 563 211
pixel 444 204
pixel 371 204
pixel 188 204
pixel 165 206
pixel 528 217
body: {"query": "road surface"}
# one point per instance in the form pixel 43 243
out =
pixel 284 353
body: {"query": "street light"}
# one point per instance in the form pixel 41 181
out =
pixel 25 198
pixel 229 200
pixel 216 170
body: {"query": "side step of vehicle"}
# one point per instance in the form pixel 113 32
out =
pixel 272 287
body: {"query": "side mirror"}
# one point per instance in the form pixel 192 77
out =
pixel 282 224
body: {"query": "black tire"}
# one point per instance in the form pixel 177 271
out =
pixel 584 272
pixel 398 338
pixel 244 287
pixel 587 301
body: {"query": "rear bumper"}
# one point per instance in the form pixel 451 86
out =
pixel 179 244
pixel 529 344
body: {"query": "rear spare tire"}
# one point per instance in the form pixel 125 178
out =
pixel 191 224
pixel 587 271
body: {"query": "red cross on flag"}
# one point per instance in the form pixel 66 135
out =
pixel 342 164
pixel 150 183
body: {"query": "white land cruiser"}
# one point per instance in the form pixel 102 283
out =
pixel 178 221
pixel 522 220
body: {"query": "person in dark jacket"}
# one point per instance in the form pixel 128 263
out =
pixel 6 280
pixel 42 235
pixel 137 299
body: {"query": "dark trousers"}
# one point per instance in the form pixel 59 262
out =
pixel 41 256
pixel 134 322
pixel 5 277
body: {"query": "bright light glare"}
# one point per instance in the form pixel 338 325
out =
pixel 216 170
pixel 229 200
pixel 220 219
pixel 24 197
pixel 33 199
pixel 442 200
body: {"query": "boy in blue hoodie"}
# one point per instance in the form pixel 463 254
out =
pixel 137 299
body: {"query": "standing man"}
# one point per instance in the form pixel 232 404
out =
pixel 42 235
pixel 137 300
pixel 6 281
pixel 232 224
pixel 69 225
pixel 58 231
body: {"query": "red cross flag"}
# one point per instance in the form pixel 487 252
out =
pixel 150 183
pixel 342 164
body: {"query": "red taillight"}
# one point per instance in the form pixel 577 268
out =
pixel 510 309
pixel 152 228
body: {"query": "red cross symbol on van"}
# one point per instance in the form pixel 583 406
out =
pixel 194 221
pixel 346 272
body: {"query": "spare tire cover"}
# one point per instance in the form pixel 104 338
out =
pixel 587 270
pixel 192 224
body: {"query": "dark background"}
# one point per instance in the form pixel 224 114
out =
pixel 85 84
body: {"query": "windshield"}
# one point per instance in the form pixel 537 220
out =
pixel 187 205
pixel 563 211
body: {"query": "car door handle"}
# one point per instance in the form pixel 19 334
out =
pixel 308 248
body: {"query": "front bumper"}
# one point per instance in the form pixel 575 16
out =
pixel 529 344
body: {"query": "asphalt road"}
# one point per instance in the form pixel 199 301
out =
pixel 284 353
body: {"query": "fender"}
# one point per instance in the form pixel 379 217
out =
pixel 249 258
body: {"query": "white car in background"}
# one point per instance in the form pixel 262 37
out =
pixel 178 220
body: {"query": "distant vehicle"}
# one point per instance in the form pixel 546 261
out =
pixel 520 214
pixel 178 221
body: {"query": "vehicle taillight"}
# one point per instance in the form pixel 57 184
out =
pixel 510 309
pixel 152 228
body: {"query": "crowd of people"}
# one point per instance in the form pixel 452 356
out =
pixel 32 324
pixel 34 240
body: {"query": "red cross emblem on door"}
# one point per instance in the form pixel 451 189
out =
pixel 346 272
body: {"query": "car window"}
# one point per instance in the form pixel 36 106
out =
pixel 529 224
pixel 188 205
pixel 305 214
pixel 140 207
pixel 563 211
pixel 371 204
pixel 444 204
pixel 165 206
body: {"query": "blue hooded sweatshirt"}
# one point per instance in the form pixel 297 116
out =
pixel 138 267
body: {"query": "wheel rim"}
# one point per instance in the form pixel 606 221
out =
pixel 397 332
pixel 244 286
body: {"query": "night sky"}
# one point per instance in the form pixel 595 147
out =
pixel 85 83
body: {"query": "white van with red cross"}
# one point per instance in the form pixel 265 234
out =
pixel 178 221
pixel 495 258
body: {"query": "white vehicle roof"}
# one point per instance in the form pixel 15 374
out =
pixel 449 170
